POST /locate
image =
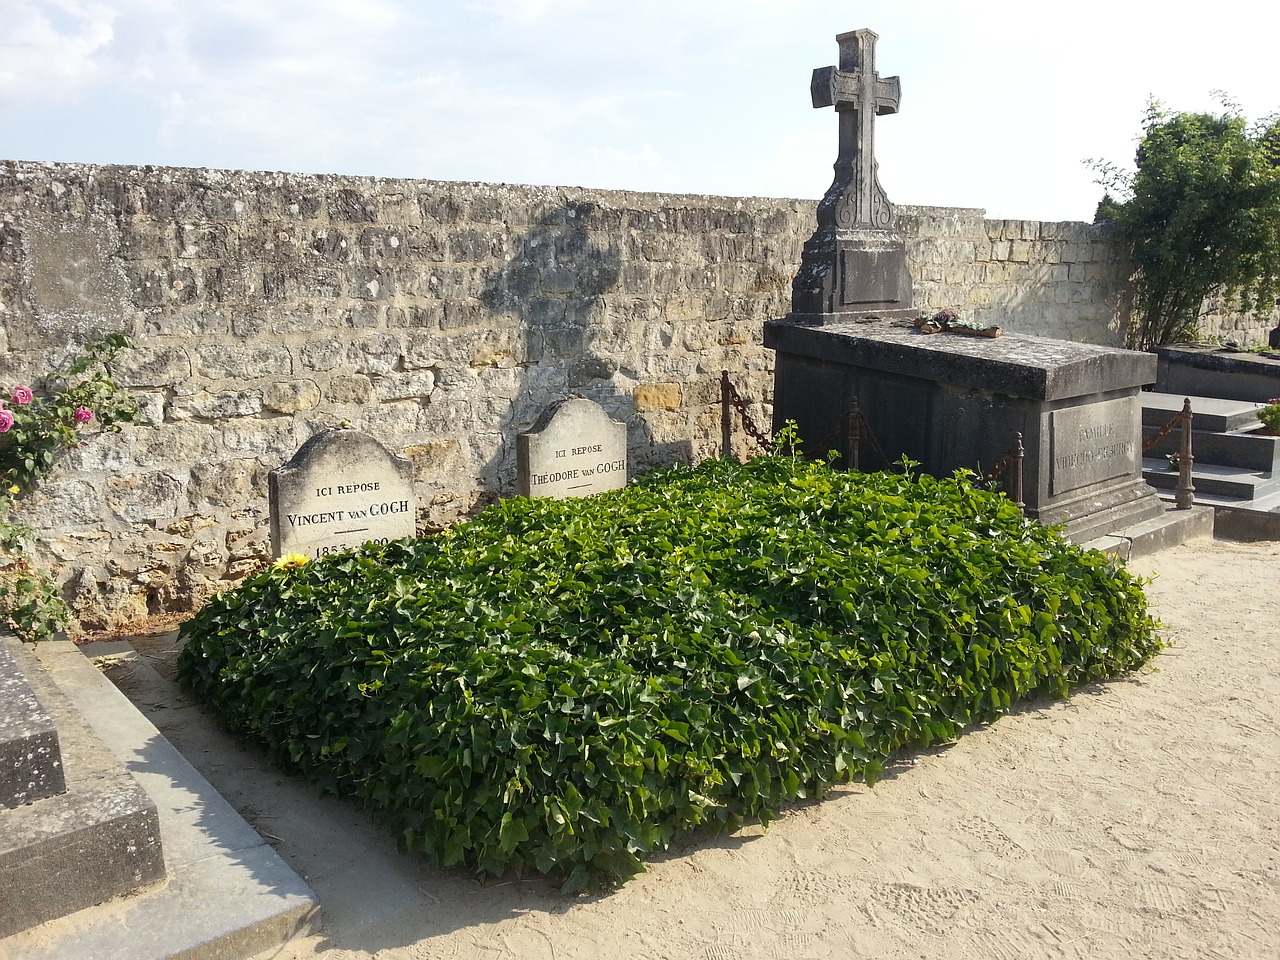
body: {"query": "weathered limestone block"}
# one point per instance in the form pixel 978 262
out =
pixel 217 406
pixel 100 453
pixel 350 205
pixel 272 325
pixel 323 355
pixel 228 483
pixel 206 555
pixel 148 496
pixel 583 372
pixel 657 396
pixel 433 459
pixel 404 386
pixel 152 366
pixel 150 408
pixel 78 547
pixel 371 283
pixel 75 287
pixel 177 442
pixel 247 550
pixel 291 396
pixel 264 438
pixel 377 353
pixel 348 388
pixel 486 348
pixel 329 245
pixel 60 503
pixel 400 418
pixel 364 316
pixel 102 601
pixel 235 362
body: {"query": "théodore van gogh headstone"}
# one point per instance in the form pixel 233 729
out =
pixel 573 450
pixel 340 490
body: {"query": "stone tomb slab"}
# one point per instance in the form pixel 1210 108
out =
pixel 30 754
pixel 98 838
pixel 573 450
pixel 340 490
pixel 949 401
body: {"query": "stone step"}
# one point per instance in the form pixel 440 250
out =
pixel 1150 536
pixel 229 895
pixel 98 839
pixel 1208 413
pixel 1210 478
pixel 1233 449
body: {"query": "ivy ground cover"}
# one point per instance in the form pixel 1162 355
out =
pixel 562 686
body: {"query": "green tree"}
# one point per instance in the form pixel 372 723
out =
pixel 1199 215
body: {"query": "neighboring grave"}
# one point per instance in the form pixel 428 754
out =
pixel 945 400
pixel 1201 370
pixel 341 489
pixel 574 450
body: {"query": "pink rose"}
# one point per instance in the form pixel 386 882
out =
pixel 6 420
pixel 83 415
pixel 22 396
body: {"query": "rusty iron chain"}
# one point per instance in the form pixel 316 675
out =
pixel 999 468
pixel 760 437
pixel 1164 431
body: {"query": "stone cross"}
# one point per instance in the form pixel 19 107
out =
pixel 859 95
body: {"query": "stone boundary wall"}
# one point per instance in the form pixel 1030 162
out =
pixel 439 317
pixel 1059 280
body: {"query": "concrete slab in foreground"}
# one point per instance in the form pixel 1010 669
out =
pixel 229 895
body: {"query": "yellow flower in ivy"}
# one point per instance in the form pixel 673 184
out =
pixel 15 490
pixel 290 561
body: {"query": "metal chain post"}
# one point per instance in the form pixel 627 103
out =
pixel 1015 467
pixel 1184 497
pixel 1010 465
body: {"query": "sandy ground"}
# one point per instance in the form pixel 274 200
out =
pixel 1137 819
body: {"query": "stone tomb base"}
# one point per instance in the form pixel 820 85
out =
pixel 949 401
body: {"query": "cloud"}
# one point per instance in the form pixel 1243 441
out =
pixel 1001 100
pixel 50 48
pixel 525 11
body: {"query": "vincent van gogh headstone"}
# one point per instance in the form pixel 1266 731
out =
pixel 341 489
pixel 574 450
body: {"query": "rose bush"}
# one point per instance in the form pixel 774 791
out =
pixel 36 424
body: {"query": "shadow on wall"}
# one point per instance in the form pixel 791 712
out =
pixel 557 283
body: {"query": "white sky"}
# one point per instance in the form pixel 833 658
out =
pixel 1002 101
